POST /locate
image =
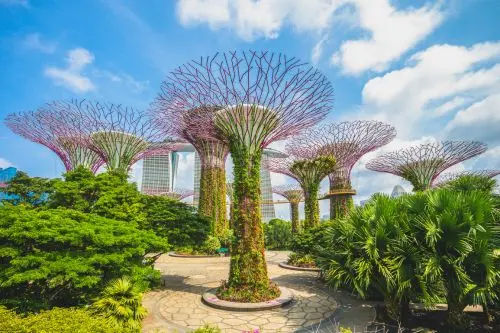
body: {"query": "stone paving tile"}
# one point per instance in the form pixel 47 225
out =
pixel 179 303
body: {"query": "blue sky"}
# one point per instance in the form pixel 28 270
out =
pixel 431 68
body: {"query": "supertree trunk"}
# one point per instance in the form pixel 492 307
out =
pixel 341 201
pixel 212 202
pixel 248 267
pixel 311 206
pixel 294 214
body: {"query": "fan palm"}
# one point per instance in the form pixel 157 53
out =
pixel 120 302
pixel 455 232
pixel 373 250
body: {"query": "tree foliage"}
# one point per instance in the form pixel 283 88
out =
pixel 63 257
pixel 23 189
pixel 278 234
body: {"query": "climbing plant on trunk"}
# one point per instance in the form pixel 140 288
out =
pixel 261 97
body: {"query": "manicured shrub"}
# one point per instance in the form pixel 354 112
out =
pixel 60 320
pixel 301 260
pixel 211 245
pixel 278 234
pixel 63 257
pixel 176 221
pixel 308 240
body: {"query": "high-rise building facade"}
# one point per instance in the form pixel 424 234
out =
pixel 156 174
pixel 267 205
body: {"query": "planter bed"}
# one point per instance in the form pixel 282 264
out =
pixel 210 298
pixel 298 268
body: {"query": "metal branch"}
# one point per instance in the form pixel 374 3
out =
pixel 445 178
pixel 421 164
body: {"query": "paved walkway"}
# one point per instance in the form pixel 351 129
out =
pixel 178 308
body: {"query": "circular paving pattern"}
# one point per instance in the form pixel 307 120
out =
pixel 177 307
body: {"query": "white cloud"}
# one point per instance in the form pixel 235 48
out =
pixel 71 77
pixel 392 32
pixel 137 86
pixel 479 121
pixel 440 78
pixel 252 19
pixel 5 163
pixel 35 42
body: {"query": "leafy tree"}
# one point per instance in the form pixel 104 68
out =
pixel 308 240
pixel 278 234
pixel 23 189
pixel 107 194
pixel 69 320
pixel 455 230
pixel 64 257
pixel 120 302
pixel 176 221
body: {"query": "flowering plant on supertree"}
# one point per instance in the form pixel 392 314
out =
pixel 190 125
pixel 294 194
pixel 348 141
pixel 53 125
pixel 421 164
pixel 120 135
pixel 263 97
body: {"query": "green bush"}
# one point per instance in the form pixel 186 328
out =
pixel 23 189
pixel 422 247
pixel 211 245
pixel 308 240
pixel 301 260
pixel 69 320
pixel 120 302
pixel 63 257
pixel 278 234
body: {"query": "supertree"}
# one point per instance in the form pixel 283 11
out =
pixel 263 97
pixel 348 141
pixel 120 135
pixel 308 168
pixel 230 193
pixel 55 127
pixel 178 193
pixel 421 164
pixel 445 178
pixel 188 125
pixel 294 194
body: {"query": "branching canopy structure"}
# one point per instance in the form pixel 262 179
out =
pixel 120 135
pixel 421 164
pixel 189 125
pixel 308 168
pixel 179 193
pixel 445 178
pixel 348 141
pixel 294 194
pixel 262 97
pixel 56 127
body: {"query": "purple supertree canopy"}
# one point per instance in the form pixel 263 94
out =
pixel 348 141
pixel 265 96
pixel 421 164
pixel 445 178
pixel 59 131
pixel 120 135
pixel 193 127
pixel 292 192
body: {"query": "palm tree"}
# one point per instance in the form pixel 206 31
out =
pixel 455 231
pixel 120 302
pixel 372 250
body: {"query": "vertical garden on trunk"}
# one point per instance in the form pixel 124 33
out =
pixel 257 98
